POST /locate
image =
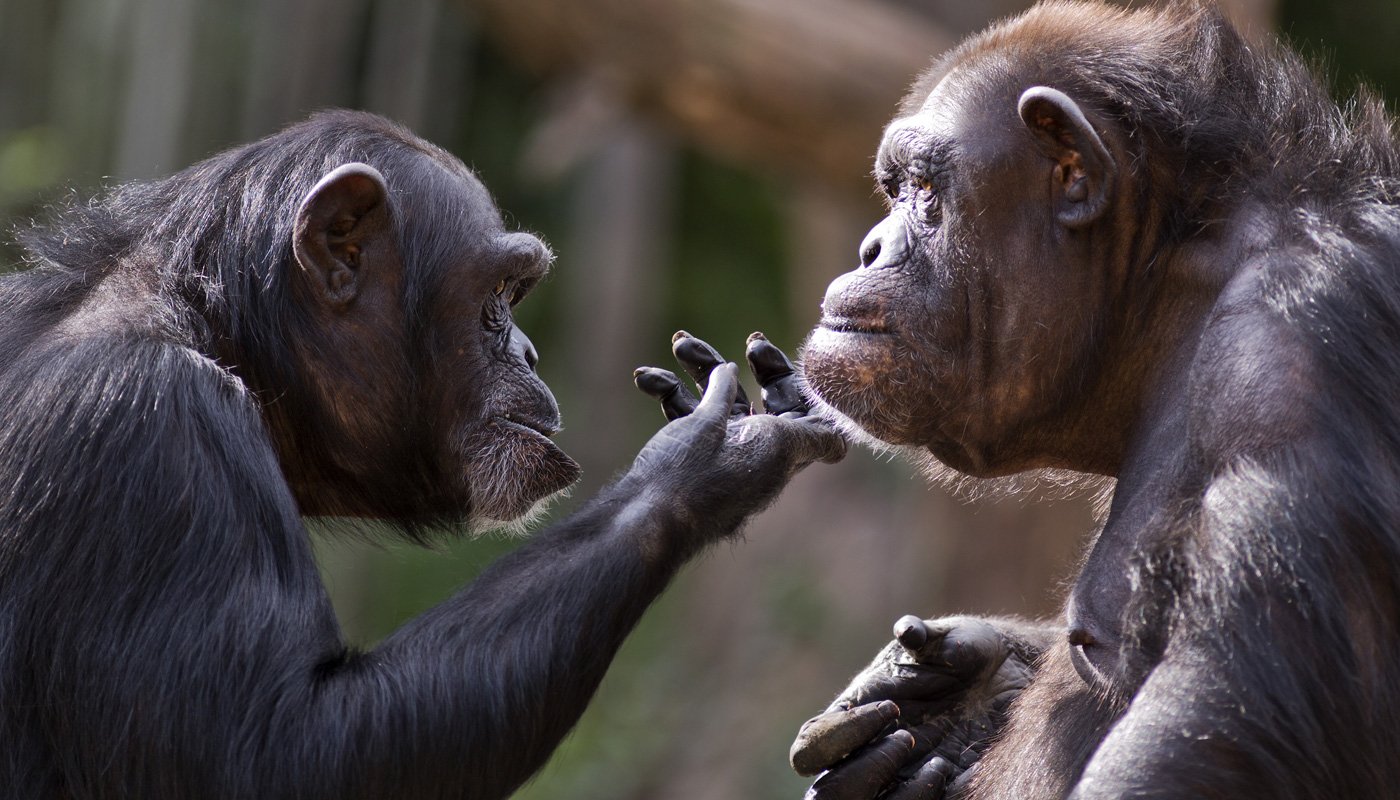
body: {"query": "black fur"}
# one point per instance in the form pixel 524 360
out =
pixel 211 245
pixel 1288 586
pixel 1251 559
pixel 163 629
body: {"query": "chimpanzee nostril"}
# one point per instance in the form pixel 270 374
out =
pixel 869 253
pixel 521 345
pixel 887 245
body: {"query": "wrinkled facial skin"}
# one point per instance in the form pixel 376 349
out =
pixel 972 307
pixel 496 449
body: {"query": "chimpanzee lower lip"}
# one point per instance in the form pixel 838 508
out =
pixel 540 428
pixel 849 325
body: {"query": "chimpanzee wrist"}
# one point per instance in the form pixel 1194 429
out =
pixel 673 523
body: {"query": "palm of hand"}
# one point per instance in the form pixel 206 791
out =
pixel 719 452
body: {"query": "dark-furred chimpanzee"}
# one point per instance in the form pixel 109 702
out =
pixel 1133 244
pixel 315 323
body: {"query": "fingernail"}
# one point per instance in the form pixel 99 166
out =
pixel 910 632
pixel 679 335
pixel 755 336
pixel 904 737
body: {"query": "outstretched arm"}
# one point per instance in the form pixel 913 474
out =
pixel 535 633
pixel 229 678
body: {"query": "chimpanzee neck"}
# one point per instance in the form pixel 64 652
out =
pixel 1212 324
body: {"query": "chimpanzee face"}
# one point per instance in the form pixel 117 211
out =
pixel 973 308
pixel 499 415
pixel 413 353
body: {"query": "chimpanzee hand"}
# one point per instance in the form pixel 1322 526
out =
pixel 782 395
pixel 912 724
pixel 718 458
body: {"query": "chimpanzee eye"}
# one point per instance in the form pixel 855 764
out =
pixel 925 184
pixel 500 289
pixel 521 289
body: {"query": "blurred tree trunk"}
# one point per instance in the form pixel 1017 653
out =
pixel 303 56
pixel 157 90
pixel 620 228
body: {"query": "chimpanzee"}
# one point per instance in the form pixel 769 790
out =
pixel 318 323
pixel 1130 243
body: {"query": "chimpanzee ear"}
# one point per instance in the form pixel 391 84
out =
pixel 1084 170
pixel 340 219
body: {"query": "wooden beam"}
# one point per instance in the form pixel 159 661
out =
pixel 800 85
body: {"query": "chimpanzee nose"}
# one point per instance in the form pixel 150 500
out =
pixel 887 245
pixel 522 347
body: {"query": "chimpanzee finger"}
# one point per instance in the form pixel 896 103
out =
pixel 662 384
pixel 867 773
pixel 927 735
pixel 713 409
pixel 827 738
pixel 699 359
pixel 894 676
pixel 962 646
pixel 696 355
pixel 776 375
pixel 930 782
pixel 911 632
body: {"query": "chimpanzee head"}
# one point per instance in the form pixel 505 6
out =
pixel 982 324
pixel 359 282
pixel 407 279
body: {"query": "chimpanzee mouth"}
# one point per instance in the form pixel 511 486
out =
pixel 532 426
pixel 840 324
pixel 535 435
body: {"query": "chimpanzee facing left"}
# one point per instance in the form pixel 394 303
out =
pixel 1135 244
pixel 316 323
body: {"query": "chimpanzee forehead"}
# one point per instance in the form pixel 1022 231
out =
pixel 939 95
pixel 447 217
pixel 462 181
pixel 917 138
pixel 973 106
pixel 450 196
pixel 476 197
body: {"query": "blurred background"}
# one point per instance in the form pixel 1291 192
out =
pixel 695 163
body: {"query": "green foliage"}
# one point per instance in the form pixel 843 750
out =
pixel 31 161
pixel 730 257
